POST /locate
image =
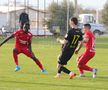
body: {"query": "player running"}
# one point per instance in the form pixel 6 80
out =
pixel 23 45
pixel 89 41
pixel 69 44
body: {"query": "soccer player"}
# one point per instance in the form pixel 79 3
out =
pixel 89 41
pixel 69 44
pixel 23 45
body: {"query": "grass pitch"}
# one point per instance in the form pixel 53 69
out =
pixel 47 50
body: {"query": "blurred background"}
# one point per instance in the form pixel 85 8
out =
pixel 51 17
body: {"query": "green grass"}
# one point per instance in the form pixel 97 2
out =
pixel 47 50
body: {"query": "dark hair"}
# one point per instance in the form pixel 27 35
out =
pixel 87 25
pixel 26 26
pixel 75 20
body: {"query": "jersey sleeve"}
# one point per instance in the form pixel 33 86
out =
pixel 86 35
pixel 15 33
pixel 67 36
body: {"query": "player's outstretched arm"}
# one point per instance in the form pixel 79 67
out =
pixel 4 41
pixel 61 41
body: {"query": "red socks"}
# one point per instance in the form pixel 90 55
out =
pixel 39 64
pixel 84 67
pixel 15 55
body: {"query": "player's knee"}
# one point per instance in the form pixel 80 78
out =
pixel 15 50
pixel 59 66
pixel 79 65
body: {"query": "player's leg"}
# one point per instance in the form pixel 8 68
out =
pixel 91 55
pixel 15 56
pixel 62 68
pixel 30 54
pixel 61 62
pixel 37 61
pixel 83 61
pixel 58 71
pixel 63 59
pixel 80 70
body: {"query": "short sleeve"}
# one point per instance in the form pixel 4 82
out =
pixel 67 36
pixel 86 35
pixel 15 33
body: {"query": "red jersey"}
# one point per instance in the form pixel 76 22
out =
pixel 22 38
pixel 90 45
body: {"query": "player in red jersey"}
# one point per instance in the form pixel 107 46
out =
pixel 89 42
pixel 23 45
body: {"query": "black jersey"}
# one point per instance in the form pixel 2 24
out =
pixel 73 37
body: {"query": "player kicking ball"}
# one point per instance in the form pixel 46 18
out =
pixel 89 41
pixel 23 45
pixel 69 44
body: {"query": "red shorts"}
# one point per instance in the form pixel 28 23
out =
pixel 85 57
pixel 24 50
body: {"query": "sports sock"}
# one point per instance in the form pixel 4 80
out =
pixel 15 56
pixel 87 68
pixel 81 71
pixel 39 64
pixel 65 70
pixel 60 70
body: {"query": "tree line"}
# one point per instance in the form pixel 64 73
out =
pixel 58 15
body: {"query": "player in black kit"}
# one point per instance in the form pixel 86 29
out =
pixel 72 39
pixel 23 18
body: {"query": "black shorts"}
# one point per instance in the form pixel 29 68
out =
pixel 65 56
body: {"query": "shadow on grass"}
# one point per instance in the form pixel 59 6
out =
pixel 55 85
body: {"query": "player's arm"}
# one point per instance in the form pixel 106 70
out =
pixel 29 46
pixel 8 38
pixel 85 39
pixel 62 42
pixel 80 44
